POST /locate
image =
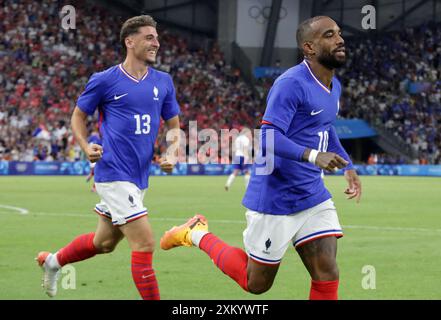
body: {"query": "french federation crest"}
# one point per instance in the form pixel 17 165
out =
pixel 268 243
pixel 267 246
pixel 155 92
pixel 132 202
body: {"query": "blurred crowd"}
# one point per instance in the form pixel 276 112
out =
pixel 44 68
pixel 394 80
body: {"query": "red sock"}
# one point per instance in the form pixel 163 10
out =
pixel 144 275
pixel 79 249
pixel 230 260
pixel 324 290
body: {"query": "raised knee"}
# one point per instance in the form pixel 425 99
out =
pixel 105 246
pixel 259 287
pixel 328 274
pixel 105 249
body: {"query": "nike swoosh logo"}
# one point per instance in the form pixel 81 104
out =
pixel 148 276
pixel 119 97
pixel 313 113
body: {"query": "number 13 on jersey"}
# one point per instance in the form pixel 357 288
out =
pixel 142 123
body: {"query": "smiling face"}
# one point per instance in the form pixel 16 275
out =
pixel 324 43
pixel 144 44
pixel 139 38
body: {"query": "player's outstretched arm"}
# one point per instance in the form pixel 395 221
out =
pixel 329 161
pixel 287 148
pixel 93 152
pixel 284 147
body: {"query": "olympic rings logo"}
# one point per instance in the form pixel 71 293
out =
pixel 262 14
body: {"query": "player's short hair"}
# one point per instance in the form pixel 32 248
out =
pixel 304 30
pixel 131 26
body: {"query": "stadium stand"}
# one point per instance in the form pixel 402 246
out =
pixel 44 68
pixel 392 79
pixel 395 80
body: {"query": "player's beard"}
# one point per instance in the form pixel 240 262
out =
pixel 150 61
pixel 330 61
pixel 143 56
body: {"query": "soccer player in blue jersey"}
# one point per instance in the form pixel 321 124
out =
pixel 290 206
pixel 131 98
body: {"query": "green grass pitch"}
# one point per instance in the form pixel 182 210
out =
pixel 396 229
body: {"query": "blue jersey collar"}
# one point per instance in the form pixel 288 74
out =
pixel 315 78
pixel 130 76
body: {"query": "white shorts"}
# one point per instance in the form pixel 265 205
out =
pixel 267 237
pixel 121 201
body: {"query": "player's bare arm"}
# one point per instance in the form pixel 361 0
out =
pixel 329 161
pixel 169 162
pixel 354 185
pixel 93 151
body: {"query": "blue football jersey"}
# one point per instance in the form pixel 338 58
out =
pixel 131 110
pixel 304 110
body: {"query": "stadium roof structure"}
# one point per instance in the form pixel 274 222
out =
pixel 390 14
pixel 200 17
pixel 183 15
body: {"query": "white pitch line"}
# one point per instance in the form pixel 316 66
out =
pixel 21 210
pixel 392 228
pixel 243 222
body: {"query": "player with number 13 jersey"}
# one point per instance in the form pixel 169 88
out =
pixel 130 111
pixel 131 98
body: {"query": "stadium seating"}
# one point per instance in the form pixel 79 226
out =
pixel 394 79
pixel 44 68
